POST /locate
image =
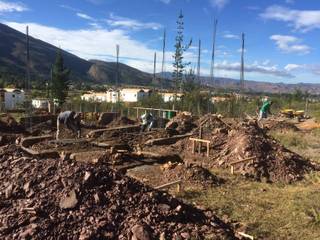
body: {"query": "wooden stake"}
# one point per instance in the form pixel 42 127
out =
pixel 200 144
pixel 168 184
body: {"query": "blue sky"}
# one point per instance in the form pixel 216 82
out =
pixel 282 36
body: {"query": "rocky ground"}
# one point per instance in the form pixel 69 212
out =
pixel 57 199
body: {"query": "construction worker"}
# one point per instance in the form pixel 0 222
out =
pixel 71 120
pixel 265 109
pixel 147 121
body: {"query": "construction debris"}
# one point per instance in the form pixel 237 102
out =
pixel 9 124
pixel 267 159
pixel 280 125
pixel 192 175
pixel 181 124
pixel 56 199
pixel 121 121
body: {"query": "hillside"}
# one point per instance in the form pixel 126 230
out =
pixel 106 73
pixel 255 86
pixel 42 55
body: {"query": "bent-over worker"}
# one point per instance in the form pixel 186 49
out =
pixel 71 120
pixel 265 110
pixel 147 121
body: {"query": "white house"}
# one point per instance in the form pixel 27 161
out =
pixel 40 103
pixel 113 96
pixel 95 97
pixel 169 96
pixel 108 96
pixel 11 98
pixel 133 94
pixel 123 95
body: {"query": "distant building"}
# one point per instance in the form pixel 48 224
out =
pixel 169 96
pixel 94 97
pixel 133 94
pixel 108 96
pixel 40 103
pixel 11 98
pixel 219 99
pixel 112 96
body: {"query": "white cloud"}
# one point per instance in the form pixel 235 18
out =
pixel 313 68
pixel 239 50
pixel 290 44
pixel 85 16
pixel 255 68
pixel 92 43
pixel 291 67
pixel 95 25
pixel 12 7
pixel 116 21
pixel 303 20
pixel 231 36
pixel 220 4
pixel 69 8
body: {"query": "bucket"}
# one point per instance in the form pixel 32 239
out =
pixel 171 114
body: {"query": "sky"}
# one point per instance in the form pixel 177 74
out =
pixel 281 36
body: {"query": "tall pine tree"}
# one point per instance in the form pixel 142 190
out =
pixel 60 79
pixel 178 64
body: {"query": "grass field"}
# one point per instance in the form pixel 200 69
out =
pixel 270 211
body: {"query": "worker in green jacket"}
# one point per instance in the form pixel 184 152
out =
pixel 265 110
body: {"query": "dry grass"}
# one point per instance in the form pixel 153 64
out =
pixel 270 211
pixel 306 143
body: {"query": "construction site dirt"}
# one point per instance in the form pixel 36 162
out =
pixel 83 192
pixel 57 199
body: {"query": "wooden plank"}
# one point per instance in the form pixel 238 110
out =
pixel 200 137
pixel 246 235
pixel 156 109
pixel 193 147
pixel 243 160
pixel 168 184
pixel 200 140
pixel 98 132
pixel 70 141
pixel 166 141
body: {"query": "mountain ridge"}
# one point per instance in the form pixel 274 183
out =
pixel 42 56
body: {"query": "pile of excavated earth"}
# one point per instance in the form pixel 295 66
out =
pixel 121 121
pixel 181 124
pixel 191 176
pixel 250 151
pixel 280 125
pixel 63 199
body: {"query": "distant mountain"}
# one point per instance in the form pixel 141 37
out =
pixel 106 73
pixel 255 86
pixel 268 87
pixel 42 55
